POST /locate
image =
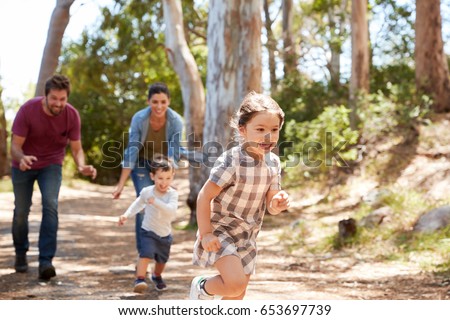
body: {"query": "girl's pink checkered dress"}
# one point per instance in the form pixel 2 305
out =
pixel 237 212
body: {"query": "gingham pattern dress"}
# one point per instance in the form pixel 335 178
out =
pixel 237 212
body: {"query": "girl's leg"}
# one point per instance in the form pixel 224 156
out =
pixel 141 269
pixel 232 281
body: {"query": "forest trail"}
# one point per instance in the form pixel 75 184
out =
pixel 95 258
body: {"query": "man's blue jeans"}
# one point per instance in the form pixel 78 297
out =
pixel 141 179
pixel 49 181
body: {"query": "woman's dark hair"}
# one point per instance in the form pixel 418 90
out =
pixel 158 87
pixel 57 82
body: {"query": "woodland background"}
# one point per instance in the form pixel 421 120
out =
pixel 367 117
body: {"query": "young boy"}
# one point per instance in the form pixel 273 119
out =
pixel 160 202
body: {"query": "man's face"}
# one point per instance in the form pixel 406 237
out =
pixel 56 101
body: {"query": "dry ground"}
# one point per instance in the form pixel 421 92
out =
pixel 95 259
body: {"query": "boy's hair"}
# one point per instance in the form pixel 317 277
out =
pixel 57 82
pixel 252 104
pixel 161 163
pixel 158 87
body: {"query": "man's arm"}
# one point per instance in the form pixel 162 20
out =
pixel 78 157
pixel 25 161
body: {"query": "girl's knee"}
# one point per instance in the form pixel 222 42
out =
pixel 236 286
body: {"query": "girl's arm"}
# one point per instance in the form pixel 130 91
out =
pixel 209 191
pixel 277 200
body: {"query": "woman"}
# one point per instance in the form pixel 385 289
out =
pixel 154 131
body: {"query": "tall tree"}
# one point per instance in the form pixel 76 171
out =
pixel 234 65
pixel 271 45
pixel 359 81
pixel 192 90
pixel 432 74
pixel 4 163
pixel 290 56
pixel 52 50
pixel 337 21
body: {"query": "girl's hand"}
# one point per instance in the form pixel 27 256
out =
pixel 122 220
pixel 280 201
pixel 210 242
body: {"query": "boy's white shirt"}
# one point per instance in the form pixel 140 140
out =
pixel 158 216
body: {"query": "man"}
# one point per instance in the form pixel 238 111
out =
pixel 41 131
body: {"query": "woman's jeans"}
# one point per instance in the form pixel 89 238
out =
pixel 141 179
pixel 49 181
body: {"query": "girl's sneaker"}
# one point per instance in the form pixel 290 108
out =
pixel 197 291
pixel 140 286
pixel 160 285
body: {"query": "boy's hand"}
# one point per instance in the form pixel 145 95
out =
pixel 151 200
pixel 210 242
pixel 280 201
pixel 122 220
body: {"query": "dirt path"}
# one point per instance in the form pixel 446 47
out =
pixel 95 259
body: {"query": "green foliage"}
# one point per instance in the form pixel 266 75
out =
pixel 111 69
pixel 384 115
pixel 314 141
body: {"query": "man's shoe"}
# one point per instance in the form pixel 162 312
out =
pixel 140 286
pixel 46 272
pixel 197 290
pixel 160 285
pixel 21 264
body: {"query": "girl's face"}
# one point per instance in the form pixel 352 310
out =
pixel 261 133
pixel 159 102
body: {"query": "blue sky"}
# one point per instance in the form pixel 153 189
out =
pixel 23 32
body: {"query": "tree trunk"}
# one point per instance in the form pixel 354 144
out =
pixel 4 163
pixel 432 74
pixel 271 46
pixel 289 53
pixel 337 22
pixel 234 68
pixel 191 88
pixel 359 81
pixel 58 23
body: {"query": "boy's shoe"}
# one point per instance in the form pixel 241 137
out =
pixel 160 285
pixel 140 286
pixel 46 272
pixel 197 291
pixel 21 264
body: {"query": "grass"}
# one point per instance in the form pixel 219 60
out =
pixel 393 240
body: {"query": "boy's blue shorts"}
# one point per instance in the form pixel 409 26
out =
pixel 155 247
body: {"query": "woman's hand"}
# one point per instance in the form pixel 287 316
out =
pixel 116 193
pixel 210 242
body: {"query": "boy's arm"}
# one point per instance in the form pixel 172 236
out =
pixel 168 209
pixel 135 207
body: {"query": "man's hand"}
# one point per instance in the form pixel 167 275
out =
pixel 26 162
pixel 88 171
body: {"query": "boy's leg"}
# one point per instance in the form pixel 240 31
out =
pixel 141 269
pixel 232 281
pixel 159 268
